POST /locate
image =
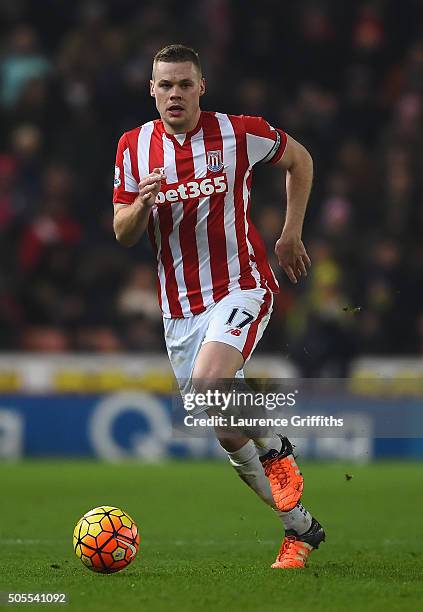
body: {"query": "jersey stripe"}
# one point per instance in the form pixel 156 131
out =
pixel 256 245
pixel 169 160
pixel 247 280
pixel 129 182
pixel 202 241
pixel 156 160
pixel 132 140
pixel 154 218
pixel 229 156
pixel 143 152
pixel 169 163
pixel 216 219
pixel 187 236
pixel 156 248
pixel 252 255
pixel 178 257
pixel 260 148
pixel 143 148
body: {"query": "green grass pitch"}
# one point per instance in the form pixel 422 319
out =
pixel 207 542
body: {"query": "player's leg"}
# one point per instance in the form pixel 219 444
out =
pixel 184 341
pixel 217 362
pixel 255 458
pixel 190 358
pixel 267 465
pixel 236 325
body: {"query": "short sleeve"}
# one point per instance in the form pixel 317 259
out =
pixel 125 187
pixel 264 142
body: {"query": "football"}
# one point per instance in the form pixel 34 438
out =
pixel 106 539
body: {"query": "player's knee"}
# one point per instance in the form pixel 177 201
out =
pixel 205 383
pixel 209 376
pixel 217 361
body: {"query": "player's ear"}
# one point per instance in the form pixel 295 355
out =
pixel 152 93
pixel 202 86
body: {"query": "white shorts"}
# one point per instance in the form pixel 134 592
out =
pixel 239 319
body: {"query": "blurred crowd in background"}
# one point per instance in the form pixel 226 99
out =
pixel 344 78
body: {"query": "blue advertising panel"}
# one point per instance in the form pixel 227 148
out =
pixel 139 425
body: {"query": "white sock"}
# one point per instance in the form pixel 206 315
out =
pixel 247 464
pixel 298 519
pixel 264 445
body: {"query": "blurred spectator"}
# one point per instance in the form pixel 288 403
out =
pixel 336 220
pixel 381 297
pixel 97 340
pixel 54 223
pixel 26 144
pixel 44 339
pixel 138 310
pixel 8 174
pixel 22 61
pixel 138 297
pixel 321 328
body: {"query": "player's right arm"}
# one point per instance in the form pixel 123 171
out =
pixel 130 220
pixel 132 201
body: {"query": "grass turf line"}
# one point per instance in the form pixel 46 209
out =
pixel 207 542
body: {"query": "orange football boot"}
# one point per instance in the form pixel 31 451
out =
pixel 286 481
pixel 296 549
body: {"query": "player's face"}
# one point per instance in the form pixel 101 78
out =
pixel 177 88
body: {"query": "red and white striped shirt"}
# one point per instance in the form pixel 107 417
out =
pixel 200 228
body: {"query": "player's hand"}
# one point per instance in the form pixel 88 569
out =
pixel 292 256
pixel 149 187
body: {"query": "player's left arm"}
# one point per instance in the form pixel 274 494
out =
pixel 289 249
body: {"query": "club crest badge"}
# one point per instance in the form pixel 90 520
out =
pixel 214 161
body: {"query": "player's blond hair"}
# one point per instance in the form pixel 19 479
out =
pixel 177 53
